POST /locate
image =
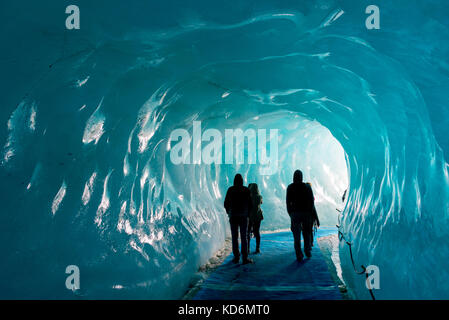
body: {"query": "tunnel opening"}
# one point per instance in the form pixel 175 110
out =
pixel 300 144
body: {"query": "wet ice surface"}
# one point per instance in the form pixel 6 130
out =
pixel 275 274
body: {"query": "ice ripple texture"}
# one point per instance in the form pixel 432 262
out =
pixel 86 176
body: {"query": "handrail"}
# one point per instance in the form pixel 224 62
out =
pixel 341 237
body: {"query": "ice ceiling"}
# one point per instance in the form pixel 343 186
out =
pixel 85 169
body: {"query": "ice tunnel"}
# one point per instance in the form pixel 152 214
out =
pixel 87 177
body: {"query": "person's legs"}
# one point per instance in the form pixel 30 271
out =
pixel 256 230
pixel 250 229
pixel 311 235
pixel 296 230
pixel 243 237
pixel 235 238
pixel 307 236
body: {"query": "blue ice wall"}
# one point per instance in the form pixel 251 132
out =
pixel 86 176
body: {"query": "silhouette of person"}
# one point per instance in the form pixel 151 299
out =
pixel 255 216
pixel 311 220
pixel 301 207
pixel 238 205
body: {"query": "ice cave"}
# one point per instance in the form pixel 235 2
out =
pixel 86 116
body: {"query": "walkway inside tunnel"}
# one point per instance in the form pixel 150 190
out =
pixel 274 275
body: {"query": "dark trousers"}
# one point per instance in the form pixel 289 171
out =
pixel 299 226
pixel 254 227
pixel 237 223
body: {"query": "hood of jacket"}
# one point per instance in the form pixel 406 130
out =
pixel 297 176
pixel 238 180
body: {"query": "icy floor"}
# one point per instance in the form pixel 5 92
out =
pixel 274 275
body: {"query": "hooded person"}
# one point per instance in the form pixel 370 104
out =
pixel 255 216
pixel 311 220
pixel 301 209
pixel 238 205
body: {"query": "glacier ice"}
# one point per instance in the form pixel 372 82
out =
pixel 86 176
